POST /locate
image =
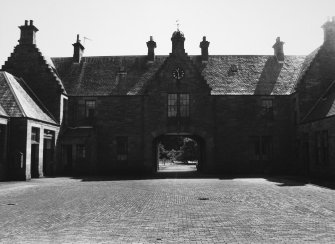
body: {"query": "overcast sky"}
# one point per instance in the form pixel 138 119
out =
pixel 122 27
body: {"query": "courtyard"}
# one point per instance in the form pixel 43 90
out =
pixel 167 208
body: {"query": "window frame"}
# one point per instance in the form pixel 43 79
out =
pixel 81 152
pixel 122 148
pixel 267 111
pixel 180 106
pixel 89 115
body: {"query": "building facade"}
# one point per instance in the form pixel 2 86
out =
pixel 248 113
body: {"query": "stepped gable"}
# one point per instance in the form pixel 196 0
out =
pixel 16 101
pixel 106 75
pixel 46 62
pixel 250 74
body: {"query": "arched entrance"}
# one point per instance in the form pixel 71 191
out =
pixel 178 152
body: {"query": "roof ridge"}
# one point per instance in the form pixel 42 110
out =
pixel 14 94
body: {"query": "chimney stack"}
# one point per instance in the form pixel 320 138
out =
pixel 204 49
pixel 28 33
pixel 78 50
pixel 151 44
pixel 329 32
pixel 178 40
pixel 278 50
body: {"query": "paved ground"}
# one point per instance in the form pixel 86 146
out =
pixel 64 210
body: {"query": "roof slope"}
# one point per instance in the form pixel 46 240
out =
pixel 16 101
pixel 128 75
pixel 106 75
pixel 252 74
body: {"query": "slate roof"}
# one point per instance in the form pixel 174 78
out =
pixel 256 74
pixel 96 76
pixel 16 101
pixel 252 74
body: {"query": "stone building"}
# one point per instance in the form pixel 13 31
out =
pixel 249 113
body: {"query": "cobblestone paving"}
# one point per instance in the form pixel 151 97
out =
pixel 64 210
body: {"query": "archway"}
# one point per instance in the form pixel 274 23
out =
pixel 178 153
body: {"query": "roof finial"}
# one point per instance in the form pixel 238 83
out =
pixel 177 21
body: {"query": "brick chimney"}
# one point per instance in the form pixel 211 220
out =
pixel 78 51
pixel 278 50
pixel 329 32
pixel 28 33
pixel 151 44
pixel 178 40
pixel 204 49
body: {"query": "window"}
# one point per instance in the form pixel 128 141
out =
pixel 90 108
pixel 184 105
pixel 122 148
pixel 65 111
pixel 267 108
pixel 178 105
pixel 35 135
pixel 81 151
pixel 172 105
pixel 262 147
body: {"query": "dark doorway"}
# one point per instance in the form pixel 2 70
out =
pixel 48 152
pixel 2 143
pixel 35 147
pixel 67 158
pixel 34 160
pixel 179 153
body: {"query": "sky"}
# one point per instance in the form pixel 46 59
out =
pixel 122 27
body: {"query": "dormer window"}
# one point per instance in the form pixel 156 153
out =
pixel 233 68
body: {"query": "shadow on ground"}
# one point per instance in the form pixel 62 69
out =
pixel 280 181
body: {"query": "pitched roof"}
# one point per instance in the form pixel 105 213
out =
pixel 225 74
pixel 2 112
pixel 16 101
pixel 252 74
pixel 106 75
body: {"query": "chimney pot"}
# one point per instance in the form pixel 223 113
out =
pixel 279 50
pixel 151 44
pixel 31 22
pixel 204 49
pixel 329 33
pixel 28 33
pixel 78 50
